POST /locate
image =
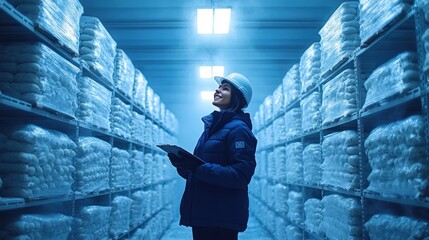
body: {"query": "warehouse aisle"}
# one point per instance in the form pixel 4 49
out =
pixel 254 231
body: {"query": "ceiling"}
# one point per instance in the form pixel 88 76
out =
pixel 266 38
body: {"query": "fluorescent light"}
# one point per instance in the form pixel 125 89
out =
pixel 205 71
pixel 207 95
pixel 222 17
pixel 205 21
pixel 218 71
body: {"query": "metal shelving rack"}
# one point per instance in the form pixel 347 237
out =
pixel 15 27
pixel 403 33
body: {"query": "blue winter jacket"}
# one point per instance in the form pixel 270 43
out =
pixel 216 194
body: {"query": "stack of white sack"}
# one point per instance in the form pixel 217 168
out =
pixel 120 216
pixel 92 222
pixel 268 108
pixel 24 75
pixel 312 164
pixel 92 165
pixel 342 217
pixel 271 195
pixel 120 169
pixel 149 100
pixel 271 165
pixel 50 226
pixel 293 121
pixel 280 164
pixel 397 156
pixel 339 37
pixel 139 89
pixel 309 67
pixel 294 232
pixel 295 206
pixel 120 118
pixel 339 98
pixel 36 162
pixel 385 226
pixel 423 6
pixel 156 132
pixel 147 201
pixel 137 168
pixel 156 202
pixel 94 103
pixel 310 106
pixel 268 135
pixel 397 76
pixel 281 195
pixel 58 18
pixel 340 167
pixel 156 106
pixel 148 132
pixel 138 127
pixel 278 100
pixel 137 215
pixel 123 75
pixel 374 15
pixel 291 85
pixel 157 167
pixel 280 228
pixel 97 48
pixel 280 127
pixel 294 162
pixel 148 165
pixel 313 211
pixel 162 114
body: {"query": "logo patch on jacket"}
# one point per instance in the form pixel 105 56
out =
pixel 239 144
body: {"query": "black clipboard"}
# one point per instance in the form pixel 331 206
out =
pixel 174 149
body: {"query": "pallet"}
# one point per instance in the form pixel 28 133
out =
pixel 55 40
pixel 11 202
pixel 53 111
pixel 389 99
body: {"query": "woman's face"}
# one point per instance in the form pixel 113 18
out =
pixel 222 96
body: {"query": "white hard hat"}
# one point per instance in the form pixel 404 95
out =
pixel 240 82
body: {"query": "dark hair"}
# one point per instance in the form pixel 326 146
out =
pixel 237 100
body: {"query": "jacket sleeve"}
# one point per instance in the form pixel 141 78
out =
pixel 241 153
pixel 183 173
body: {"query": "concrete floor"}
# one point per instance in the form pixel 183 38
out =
pixel 254 231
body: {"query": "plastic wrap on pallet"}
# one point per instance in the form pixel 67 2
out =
pixel 92 165
pixel 123 75
pixel 278 100
pixel 120 168
pixel 385 226
pixel 313 212
pixel 293 122
pixel 156 133
pixel 291 85
pixel 149 100
pixel 24 75
pixel 148 166
pixel 281 196
pixel 294 162
pixel 374 15
pixel 120 118
pixel 295 205
pixel 397 156
pixel 59 19
pixel 310 106
pixel 94 103
pixel 96 47
pixel 280 228
pixel 138 127
pixel 342 218
pixel 271 164
pixel 148 136
pixel 268 108
pixel 157 167
pixel 395 77
pixel 52 226
pixel 162 116
pixel 280 130
pixel 339 97
pixel 294 232
pixel 340 167
pixel 137 168
pixel 92 222
pixel 339 37
pixel 36 162
pixel 120 216
pixel 156 106
pixel 269 135
pixel 139 89
pixel 137 209
pixel 309 67
pixel 280 163
pixel 312 163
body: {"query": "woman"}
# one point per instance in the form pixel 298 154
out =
pixel 215 202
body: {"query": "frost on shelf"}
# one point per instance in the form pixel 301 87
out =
pixel 59 18
pixel 36 162
pixel 374 15
pixel 385 226
pixel 397 156
pixel 97 48
pixel 24 75
pixel 395 77
pixel 339 98
pixel 92 165
pixel 94 103
pixel 340 167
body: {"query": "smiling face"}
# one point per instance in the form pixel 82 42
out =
pixel 222 96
